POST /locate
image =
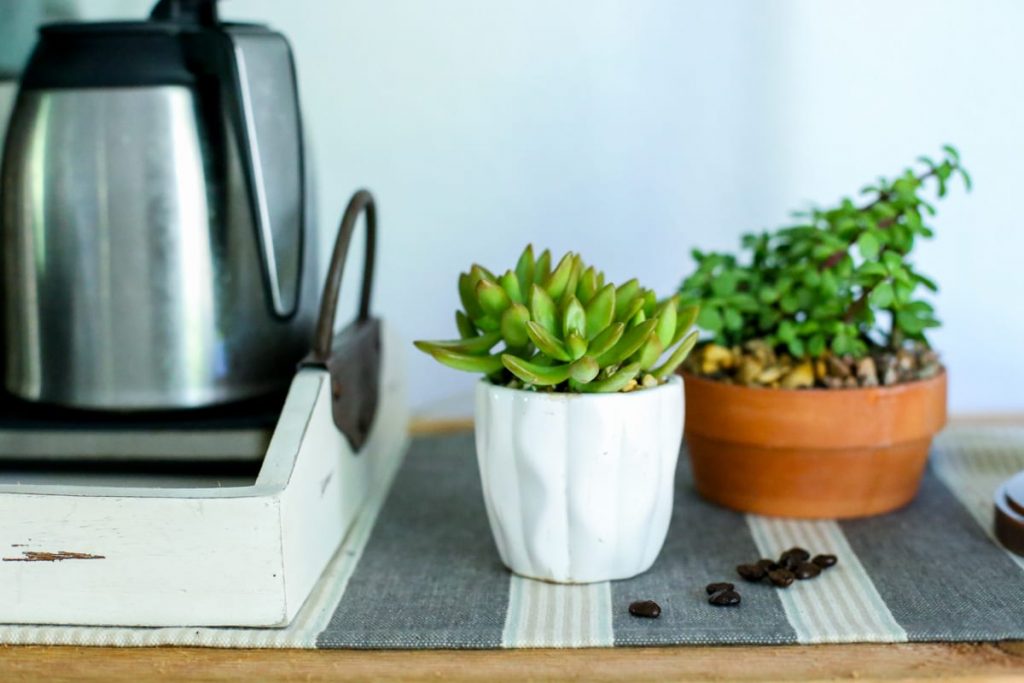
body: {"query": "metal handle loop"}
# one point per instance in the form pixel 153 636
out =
pixel 361 201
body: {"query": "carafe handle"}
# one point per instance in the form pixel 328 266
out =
pixel 263 104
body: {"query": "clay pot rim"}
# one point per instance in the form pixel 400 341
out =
pixel 673 381
pixel 816 419
pixel 891 389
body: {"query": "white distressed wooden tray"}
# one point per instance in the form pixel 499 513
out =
pixel 198 550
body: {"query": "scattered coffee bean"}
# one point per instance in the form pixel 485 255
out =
pixel 782 578
pixel 793 564
pixel 750 572
pixel 729 598
pixel 806 570
pixel 792 557
pixel 645 608
pixel 825 561
pixel 798 552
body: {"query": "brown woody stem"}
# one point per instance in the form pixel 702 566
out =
pixel 858 305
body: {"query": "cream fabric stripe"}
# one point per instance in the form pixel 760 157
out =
pixel 973 462
pixel 542 614
pixel 840 606
pixel 301 633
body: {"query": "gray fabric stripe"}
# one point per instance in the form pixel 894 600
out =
pixel 842 605
pixel 938 571
pixel 430 575
pixel 704 544
pixel 973 464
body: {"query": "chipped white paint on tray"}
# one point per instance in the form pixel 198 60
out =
pixel 239 556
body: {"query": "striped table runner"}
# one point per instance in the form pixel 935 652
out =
pixel 419 570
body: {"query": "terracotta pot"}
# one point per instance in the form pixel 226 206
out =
pixel 811 452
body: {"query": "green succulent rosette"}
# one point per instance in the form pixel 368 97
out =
pixel 564 328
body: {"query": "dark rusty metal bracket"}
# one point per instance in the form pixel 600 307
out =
pixel 352 357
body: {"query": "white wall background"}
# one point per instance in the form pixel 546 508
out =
pixel 637 129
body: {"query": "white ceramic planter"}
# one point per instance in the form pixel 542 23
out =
pixel 578 487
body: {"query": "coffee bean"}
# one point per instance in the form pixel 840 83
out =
pixel 728 598
pixel 825 561
pixel 792 557
pixel 750 572
pixel 781 577
pixel 645 608
pixel 768 565
pixel 806 570
pixel 717 587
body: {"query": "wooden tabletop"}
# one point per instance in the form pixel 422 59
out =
pixel 950 662
pixel 862 662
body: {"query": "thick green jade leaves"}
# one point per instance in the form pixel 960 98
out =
pixel 513 325
pixel 542 308
pixel 532 373
pixel 584 370
pixel 557 282
pixel 574 318
pixel 601 311
pixel 624 298
pixel 576 344
pixel 525 269
pixel 564 328
pixel 608 338
pixel 492 297
pixel 678 356
pixel 466 361
pixel 651 350
pixel 840 281
pixel 546 343
pixel 473 345
pixel 666 327
pixel 510 283
pixel 464 325
pixel 629 344
pixel 588 286
pixel 615 382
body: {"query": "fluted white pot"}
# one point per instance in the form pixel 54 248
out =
pixel 578 487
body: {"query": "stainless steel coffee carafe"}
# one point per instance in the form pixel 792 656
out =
pixel 155 228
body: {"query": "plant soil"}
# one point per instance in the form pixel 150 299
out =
pixel 758 364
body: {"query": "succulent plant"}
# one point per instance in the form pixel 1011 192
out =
pixel 564 328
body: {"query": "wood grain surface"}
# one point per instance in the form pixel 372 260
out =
pixel 951 662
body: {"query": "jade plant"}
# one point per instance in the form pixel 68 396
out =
pixel 839 284
pixel 564 328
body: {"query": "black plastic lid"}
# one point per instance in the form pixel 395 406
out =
pixel 123 53
pixel 112 54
